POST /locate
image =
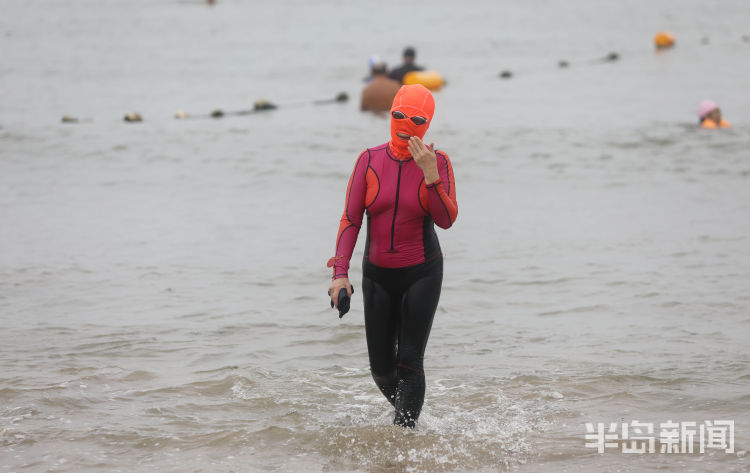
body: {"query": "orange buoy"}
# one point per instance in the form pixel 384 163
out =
pixel 663 40
pixel 430 79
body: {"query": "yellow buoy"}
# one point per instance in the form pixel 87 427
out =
pixel 430 79
pixel 663 40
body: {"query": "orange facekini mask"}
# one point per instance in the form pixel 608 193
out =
pixel 411 114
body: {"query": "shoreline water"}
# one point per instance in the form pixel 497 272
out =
pixel 162 284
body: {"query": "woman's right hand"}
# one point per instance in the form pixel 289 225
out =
pixel 336 286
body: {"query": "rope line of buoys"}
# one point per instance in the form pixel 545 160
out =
pixel 563 63
pixel 258 107
pixel 663 40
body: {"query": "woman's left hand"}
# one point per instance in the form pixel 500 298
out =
pixel 425 158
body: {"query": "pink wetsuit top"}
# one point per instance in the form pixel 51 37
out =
pixel 400 210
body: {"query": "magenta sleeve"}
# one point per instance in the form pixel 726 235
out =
pixel 442 194
pixel 351 220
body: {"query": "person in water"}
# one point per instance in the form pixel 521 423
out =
pixel 379 93
pixel 409 56
pixel 710 116
pixel 405 187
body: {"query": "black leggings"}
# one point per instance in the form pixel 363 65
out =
pixel 399 307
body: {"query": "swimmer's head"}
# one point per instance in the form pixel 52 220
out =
pixel 379 69
pixel 411 114
pixel 409 54
pixel 706 107
pixel 709 109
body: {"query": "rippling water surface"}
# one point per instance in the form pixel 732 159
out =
pixel 162 284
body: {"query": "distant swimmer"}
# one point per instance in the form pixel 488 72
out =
pixel 398 73
pixel 405 188
pixel 710 116
pixel 378 95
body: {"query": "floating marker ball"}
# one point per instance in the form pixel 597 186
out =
pixel 133 117
pixel 263 105
pixel 663 40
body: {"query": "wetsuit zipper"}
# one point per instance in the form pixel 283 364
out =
pixel 395 207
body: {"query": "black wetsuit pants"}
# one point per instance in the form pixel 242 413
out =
pixel 399 307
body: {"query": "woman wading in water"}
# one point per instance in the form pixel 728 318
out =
pixel 405 188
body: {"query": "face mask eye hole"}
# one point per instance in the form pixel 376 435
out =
pixel 398 115
pixel 419 120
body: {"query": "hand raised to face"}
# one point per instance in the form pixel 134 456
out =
pixel 425 158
